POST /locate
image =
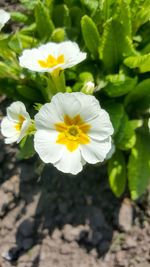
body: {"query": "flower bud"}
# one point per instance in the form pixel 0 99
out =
pixel 88 88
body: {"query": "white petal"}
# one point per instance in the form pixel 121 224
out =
pixel 95 151
pixel 11 139
pixel 46 146
pixel 7 128
pixel 26 124
pixel 29 60
pixel 48 116
pixel 49 49
pixel 4 17
pixel 15 109
pixel 66 104
pixel 101 126
pixel 90 106
pixel 70 162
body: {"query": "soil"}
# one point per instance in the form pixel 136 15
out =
pixel 58 220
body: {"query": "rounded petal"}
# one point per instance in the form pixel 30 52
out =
pixel 7 128
pixel 95 151
pixel 46 146
pixel 48 116
pixel 101 126
pixel 70 162
pixel 11 139
pixel 29 60
pixel 90 106
pixel 16 109
pixel 66 104
pixel 4 17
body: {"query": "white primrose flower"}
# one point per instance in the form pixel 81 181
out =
pixel 149 124
pixel 16 124
pixel 4 17
pixel 71 130
pixel 52 56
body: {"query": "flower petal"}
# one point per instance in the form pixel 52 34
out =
pixel 95 151
pixel 15 110
pixel 4 17
pixel 70 162
pixel 25 126
pixel 101 126
pixel 46 146
pixel 8 128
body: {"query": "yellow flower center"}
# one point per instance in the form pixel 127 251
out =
pixel 51 61
pixel 73 132
pixel 19 125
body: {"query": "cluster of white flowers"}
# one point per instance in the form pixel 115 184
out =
pixel 70 130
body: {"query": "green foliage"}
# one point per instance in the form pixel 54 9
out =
pixel 42 17
pixel 142 62
pixel 29 4
pixel 116 112
pixel 115 45
pixel 125 137
pixel 139 165
pixel 139 97
pixel 119 84
pixel 61 16
pixel 117 173
pixel 90 35
pixel 26 148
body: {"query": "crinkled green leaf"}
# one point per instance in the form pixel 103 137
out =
pixel 115 45
pixel 61 16
pixel 29 4
pixel 142 62
pixel 115 111
pixel 15 43
pixel 44 23
pixel 90 35
pixel 91 5
pixel 117 173
pixel 119 84
pixel 21 17
pixel 5 51
pixel 139 166
pixel 125 137
pixel 139 98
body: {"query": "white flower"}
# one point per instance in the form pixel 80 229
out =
pixel 4 17
pixel 52 56
pixel 72 130
pixel 16 124
pixel 149 124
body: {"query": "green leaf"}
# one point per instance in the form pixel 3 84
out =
pixel 28 41
pixel 26 148
pixel 15 43
pixel 44 24
pixel 139 97
pixel 5 51
pixel 116 112
pixel 115 45
pixel 21 17
pixel 91 5
pixel 61 16
pixel 6 71
pixel 142 62
pixel 119 84
pixel 125 137
pixel 90 35
pixel 117 173
pixel 29 4
pixel 29 93
pixel 139 166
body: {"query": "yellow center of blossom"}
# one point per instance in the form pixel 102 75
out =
pixel 19 125
pixel 51 61
pixel 73 132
